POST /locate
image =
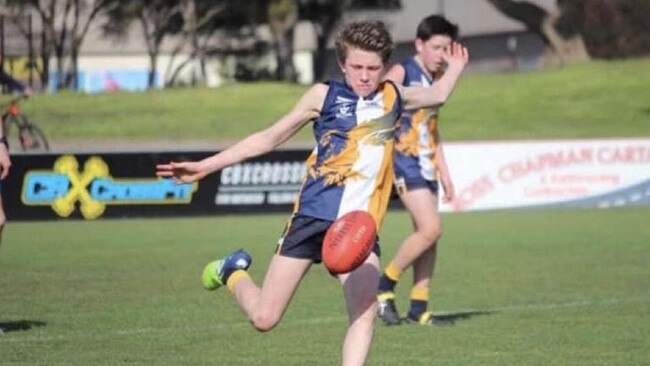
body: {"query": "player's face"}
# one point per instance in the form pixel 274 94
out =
pixel 363 71
pixel 431 50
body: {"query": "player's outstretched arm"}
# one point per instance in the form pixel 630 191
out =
pixel 416 97
pixel 307 109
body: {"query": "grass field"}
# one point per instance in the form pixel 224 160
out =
pixel 557 287
pixel 565 287
pixel 598 99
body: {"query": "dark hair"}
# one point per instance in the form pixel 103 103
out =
pixel 436 25
pixel 366 35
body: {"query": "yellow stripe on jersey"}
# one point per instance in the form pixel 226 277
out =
pixel 433 142
pixel 383 185
pixel 389 97
pixel 338 168
pixel 384 180
pixel 311 160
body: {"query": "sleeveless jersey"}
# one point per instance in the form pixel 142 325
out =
pixel 415 145
pixel 351 165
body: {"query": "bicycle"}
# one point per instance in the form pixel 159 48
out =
pixel 30 137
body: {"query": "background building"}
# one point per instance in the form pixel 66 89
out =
pixel 106 63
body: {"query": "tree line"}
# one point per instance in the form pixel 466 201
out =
pixel 578 30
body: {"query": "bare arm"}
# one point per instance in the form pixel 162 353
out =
pixel 396 74
pixel 417 97
pixel 443 171
pixel 307 109
pixel 5 162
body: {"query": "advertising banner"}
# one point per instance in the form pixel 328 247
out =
pixel 580 173
pixel 486 175
pixel 91 186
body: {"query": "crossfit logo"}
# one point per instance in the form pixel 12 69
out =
pixel 65 188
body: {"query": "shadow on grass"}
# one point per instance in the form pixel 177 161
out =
pixel 462 315
pixel 450 319
pixel 6 327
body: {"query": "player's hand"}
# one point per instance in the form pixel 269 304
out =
pixel 456 55
pixel 448 188
pixel 187 172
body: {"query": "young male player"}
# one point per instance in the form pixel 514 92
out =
pixel 350 169
pixel 419 163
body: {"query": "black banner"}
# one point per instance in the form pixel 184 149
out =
pixel 91 186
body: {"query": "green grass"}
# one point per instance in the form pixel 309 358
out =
pixel 224 114
pixel 598 99
pixel 562 287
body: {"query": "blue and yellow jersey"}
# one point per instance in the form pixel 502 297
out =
pixel 351 165
pixel 415 144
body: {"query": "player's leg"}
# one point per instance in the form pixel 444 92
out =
pixel 422 205
pixel 423 269
pixel 419 312
pixel 265 306
pixel 361 303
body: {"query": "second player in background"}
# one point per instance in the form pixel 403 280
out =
pixel 419 165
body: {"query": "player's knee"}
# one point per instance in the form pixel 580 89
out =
pixel 265 321
pixel 431 233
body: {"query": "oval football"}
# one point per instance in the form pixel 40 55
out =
pixel 349 241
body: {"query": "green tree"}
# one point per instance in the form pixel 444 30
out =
pixel 283 17
pixel 65 24
pixel 198 27
pixel 326 14
pixel 191 22
pixel 157 19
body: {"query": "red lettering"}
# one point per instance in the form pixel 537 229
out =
pixel 542 162
pixel 624 154
pixel 469 195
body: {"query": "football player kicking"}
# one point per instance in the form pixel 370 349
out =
pixel 350 169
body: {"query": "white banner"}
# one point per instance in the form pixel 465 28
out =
pixel 580 173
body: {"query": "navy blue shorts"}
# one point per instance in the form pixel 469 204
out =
pixel 303 238
pixel 405 184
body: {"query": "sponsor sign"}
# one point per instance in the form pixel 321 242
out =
pixel 582 173
pixel 91 186
pixel 487 175
pixel 261 183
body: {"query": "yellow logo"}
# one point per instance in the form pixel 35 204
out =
pixel 92 189
pixel 94 167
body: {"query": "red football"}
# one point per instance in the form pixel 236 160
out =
pixel 349 241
